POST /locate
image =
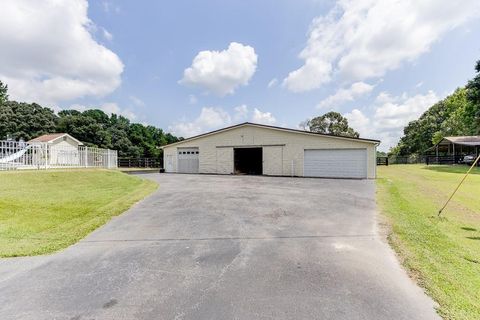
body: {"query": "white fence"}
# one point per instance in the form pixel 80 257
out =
pixel 22 155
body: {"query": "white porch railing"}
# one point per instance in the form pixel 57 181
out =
pixel 23 155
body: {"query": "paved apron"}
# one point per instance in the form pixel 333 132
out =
pixel 224 247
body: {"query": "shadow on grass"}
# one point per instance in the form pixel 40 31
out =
pixel 468 229
pixel 435 218
pixel 471 260
pixel 473 238
pixel 458 168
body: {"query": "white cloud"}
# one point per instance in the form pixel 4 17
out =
pixel 107 35
pixel 263 117
pixel 137 101
pixel 78 107
pixel 362 39
pixel 111 107
pixel 358 121
pixel 221 72
pixel 384 97
pixel 214 117
pixel 310 76
pixel 241 113
pixel 192 99
pixel 396 115
pixel 109 7
pixel 355 91
pixel 48 54
pixel 272 83
pixel 391 115
pixel 210 118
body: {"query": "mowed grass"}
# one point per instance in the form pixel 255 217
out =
pixel 44 211
pixel 443 254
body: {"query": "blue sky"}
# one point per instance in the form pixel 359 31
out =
pixel 194 66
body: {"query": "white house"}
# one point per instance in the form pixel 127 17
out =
pixel 250 148
pixel 62 148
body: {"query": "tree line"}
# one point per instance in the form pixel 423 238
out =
pixel 24 121
pixel 456 115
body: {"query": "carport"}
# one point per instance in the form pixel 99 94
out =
pixel 453 149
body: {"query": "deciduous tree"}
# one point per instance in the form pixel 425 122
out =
pixel 93 127
pixel 331 123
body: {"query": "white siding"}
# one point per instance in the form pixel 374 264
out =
pixel 224 160
pixel 216 150
pixel 169 163
pixel 273 160
pixel 64 152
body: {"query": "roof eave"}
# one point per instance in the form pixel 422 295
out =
pixel 376 142
pixel 63 135
pixel 54 139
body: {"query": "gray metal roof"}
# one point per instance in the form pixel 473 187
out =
pixel 274 128
pixel 462 140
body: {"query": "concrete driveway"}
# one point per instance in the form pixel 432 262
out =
pixel 224 247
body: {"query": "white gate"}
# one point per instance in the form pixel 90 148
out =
pixel 24 155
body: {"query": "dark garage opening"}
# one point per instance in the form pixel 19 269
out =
pixel 248 160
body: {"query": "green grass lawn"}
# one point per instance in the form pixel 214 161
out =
pixel 44 211
pixel 442 254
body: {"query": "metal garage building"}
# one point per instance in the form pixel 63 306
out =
pixel 250 148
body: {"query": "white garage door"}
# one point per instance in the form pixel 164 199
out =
pixel 335 163
pixel 188 160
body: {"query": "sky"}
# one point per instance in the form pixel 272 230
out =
pixel 190 67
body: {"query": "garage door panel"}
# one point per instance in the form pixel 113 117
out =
pixel 188 160
pixel 335 163
pixel 225 160
pixel 273 160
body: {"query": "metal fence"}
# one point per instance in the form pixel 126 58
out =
pixel 422 159
pixel 382 161
pixel 139 163
pixel 411 159
pixel 23 155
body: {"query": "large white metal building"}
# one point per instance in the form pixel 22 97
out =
pixel 250 148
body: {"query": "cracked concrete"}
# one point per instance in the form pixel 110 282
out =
pixel 224 247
